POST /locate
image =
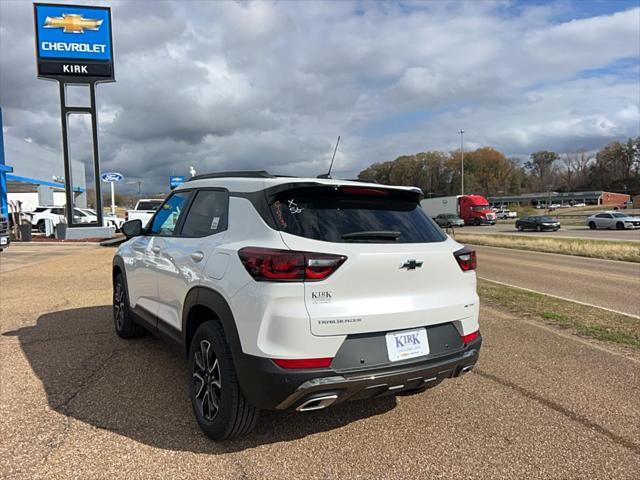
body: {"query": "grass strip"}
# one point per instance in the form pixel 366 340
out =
pixel 580 319
pixel 608 250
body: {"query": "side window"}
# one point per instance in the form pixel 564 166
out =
pixel 166 219
pixel 207 214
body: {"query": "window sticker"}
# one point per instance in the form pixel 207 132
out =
pixel 214 223
pixel 280 217
pixel 294 208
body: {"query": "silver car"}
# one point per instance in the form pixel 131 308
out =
pixel 617 220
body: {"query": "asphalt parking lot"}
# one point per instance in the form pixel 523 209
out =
pixel 566 231
pixel 79 402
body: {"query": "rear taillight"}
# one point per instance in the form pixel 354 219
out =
pixel 126 216
pixel 298 363
pixel 273 265
pixel 466 258
pixel 470 337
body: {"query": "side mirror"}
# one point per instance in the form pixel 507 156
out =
pixel 132 228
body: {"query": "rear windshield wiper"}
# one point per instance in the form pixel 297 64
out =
pixel 391 235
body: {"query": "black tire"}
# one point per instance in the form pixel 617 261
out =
pixel 476 222
pixel 123 321
pixel 41 227
pixel 539 228
pixel 520 228
pixel 220 408
pixel 619 226
pixel 592 225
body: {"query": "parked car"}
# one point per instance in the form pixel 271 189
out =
pixel 89 215
pixel 291 293
pixel 624 206
pixel 537 222
pixel 54 213
pixel 581 204
pixel 144 210
pixel 617 220
pixel 449 220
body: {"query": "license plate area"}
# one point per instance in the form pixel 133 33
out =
pixel 406 344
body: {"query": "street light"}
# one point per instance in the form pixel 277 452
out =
pixel 461 132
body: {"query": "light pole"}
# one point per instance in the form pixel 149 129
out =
pixel 461 132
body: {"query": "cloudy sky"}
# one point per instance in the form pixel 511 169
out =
pixel 270 85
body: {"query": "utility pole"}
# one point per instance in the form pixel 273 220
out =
pixel 461 132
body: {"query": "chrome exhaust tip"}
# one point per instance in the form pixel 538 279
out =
pixel 317 403
pixel 466 369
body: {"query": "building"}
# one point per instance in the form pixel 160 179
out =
pixel 34 175
pixel 597 197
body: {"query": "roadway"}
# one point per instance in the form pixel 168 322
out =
pixel 566 231
pixel 79 402
pixel 604 283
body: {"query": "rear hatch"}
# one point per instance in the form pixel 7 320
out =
pixel 400 271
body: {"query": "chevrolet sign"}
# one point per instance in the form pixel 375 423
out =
pixel 73 41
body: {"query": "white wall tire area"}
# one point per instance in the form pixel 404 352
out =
pixel 220 408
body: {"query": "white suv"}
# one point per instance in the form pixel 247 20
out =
pixel 297 293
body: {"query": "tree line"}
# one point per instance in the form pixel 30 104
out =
pixel 487 171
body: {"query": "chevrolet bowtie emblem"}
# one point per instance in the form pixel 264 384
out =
pixel 411 265
pixel 72 23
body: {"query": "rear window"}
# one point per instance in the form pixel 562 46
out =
pixel 154 205
pixel 354 214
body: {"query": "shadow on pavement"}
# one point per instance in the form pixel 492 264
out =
pixel 137 388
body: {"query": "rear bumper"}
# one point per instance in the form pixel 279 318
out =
pixel 270 387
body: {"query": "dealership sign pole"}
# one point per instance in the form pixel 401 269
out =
pixel 74 47
pixel 112 178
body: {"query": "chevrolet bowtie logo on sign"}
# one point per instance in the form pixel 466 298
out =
pixel 72 23
pixel 73 41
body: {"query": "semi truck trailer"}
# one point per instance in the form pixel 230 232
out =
pixel 473 209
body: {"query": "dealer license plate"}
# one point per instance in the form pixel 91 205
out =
pixel 407 344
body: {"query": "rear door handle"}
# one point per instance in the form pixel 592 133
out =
pixel 156 250
pixel 197 256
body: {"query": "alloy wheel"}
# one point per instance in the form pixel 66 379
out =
pixel 119 305
pixel 206 380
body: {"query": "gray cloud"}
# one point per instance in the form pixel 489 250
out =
pixel 227 85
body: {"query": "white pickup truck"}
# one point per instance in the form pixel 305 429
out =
pixel 505 214
pixel 144 210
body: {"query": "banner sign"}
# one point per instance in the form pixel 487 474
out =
pixel 73 41
pixel 176 180
pixel 112 177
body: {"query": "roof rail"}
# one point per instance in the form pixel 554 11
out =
pixel 241 174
